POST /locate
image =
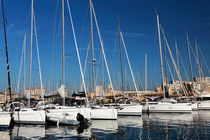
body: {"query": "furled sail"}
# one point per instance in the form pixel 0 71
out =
pixel 62 91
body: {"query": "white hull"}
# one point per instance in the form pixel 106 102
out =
pixel 5 119
pixel 104 113
pixel 168 108
pixel 30 116
pixel 129 110
pixel 67 115
pixel 202 105
pixel 195 106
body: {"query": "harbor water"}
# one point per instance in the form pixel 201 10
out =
pixel 148 126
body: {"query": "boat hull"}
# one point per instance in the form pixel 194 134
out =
pixel 5 119
pixel 168 108
pixel 67 115
pixel 129 110
pixel 104 113
pixel 30 116
pixel 204 106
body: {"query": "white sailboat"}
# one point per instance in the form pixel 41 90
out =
pixel 24 115
pixel 5 117
pixel 127 109
pixel 98 112
pixel 64 114
pixel 166 105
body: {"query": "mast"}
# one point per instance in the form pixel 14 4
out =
pixel 63 58
pixel 91 31
pixel 5 91
pixel 177 71
pixel 7 57
pixel 126 84
pixel 24 71
pixel 199 70
pixel 190 64
pixel 177 56
pixel 161 60
pixel 145 72
pixel 166 81
pixel 32 14
pixel 89 65
pixel 121 64
pixel 102 71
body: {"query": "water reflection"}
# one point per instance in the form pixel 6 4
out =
pixel 105 126
pixel 130 121
pixel 152 126
pixel 169 118
pixel 67 131
pixel 28 132
pixel 4 134
pixel 176 126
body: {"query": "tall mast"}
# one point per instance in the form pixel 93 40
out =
pixel 102 71
pixel 121 64
pixel 5 39
pixel 126 84
pixel 164 45
pixel 32 14
pixel 166 80
pixel 63 58
pixel 199 70
pixel 177 56
pixel 91 30
pixel 161 60
pixel 190 64
pixel 24 71
pixel 89 65
pixel 145 72
pixel 175 66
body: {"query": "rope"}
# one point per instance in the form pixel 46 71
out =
pixel 129 64
pixel 21 60
pixel 37 47
pixel 78 55
pixel 102 47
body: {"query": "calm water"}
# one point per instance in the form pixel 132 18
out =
pixel 153 126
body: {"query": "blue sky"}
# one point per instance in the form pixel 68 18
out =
pixel 138 25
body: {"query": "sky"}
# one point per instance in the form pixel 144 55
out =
pixel 138 26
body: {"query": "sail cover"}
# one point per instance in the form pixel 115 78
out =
pixel 62 91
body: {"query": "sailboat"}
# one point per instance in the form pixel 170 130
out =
pixel 5 116
pixel 127 109
pixel 199 83
pixel 66 114
pixel 22 114
pixel 167 105
pixel 100 112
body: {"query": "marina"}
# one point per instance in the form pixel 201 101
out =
pixel 69 80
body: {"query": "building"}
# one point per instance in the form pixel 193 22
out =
pixel 35 93
pixel 3 98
